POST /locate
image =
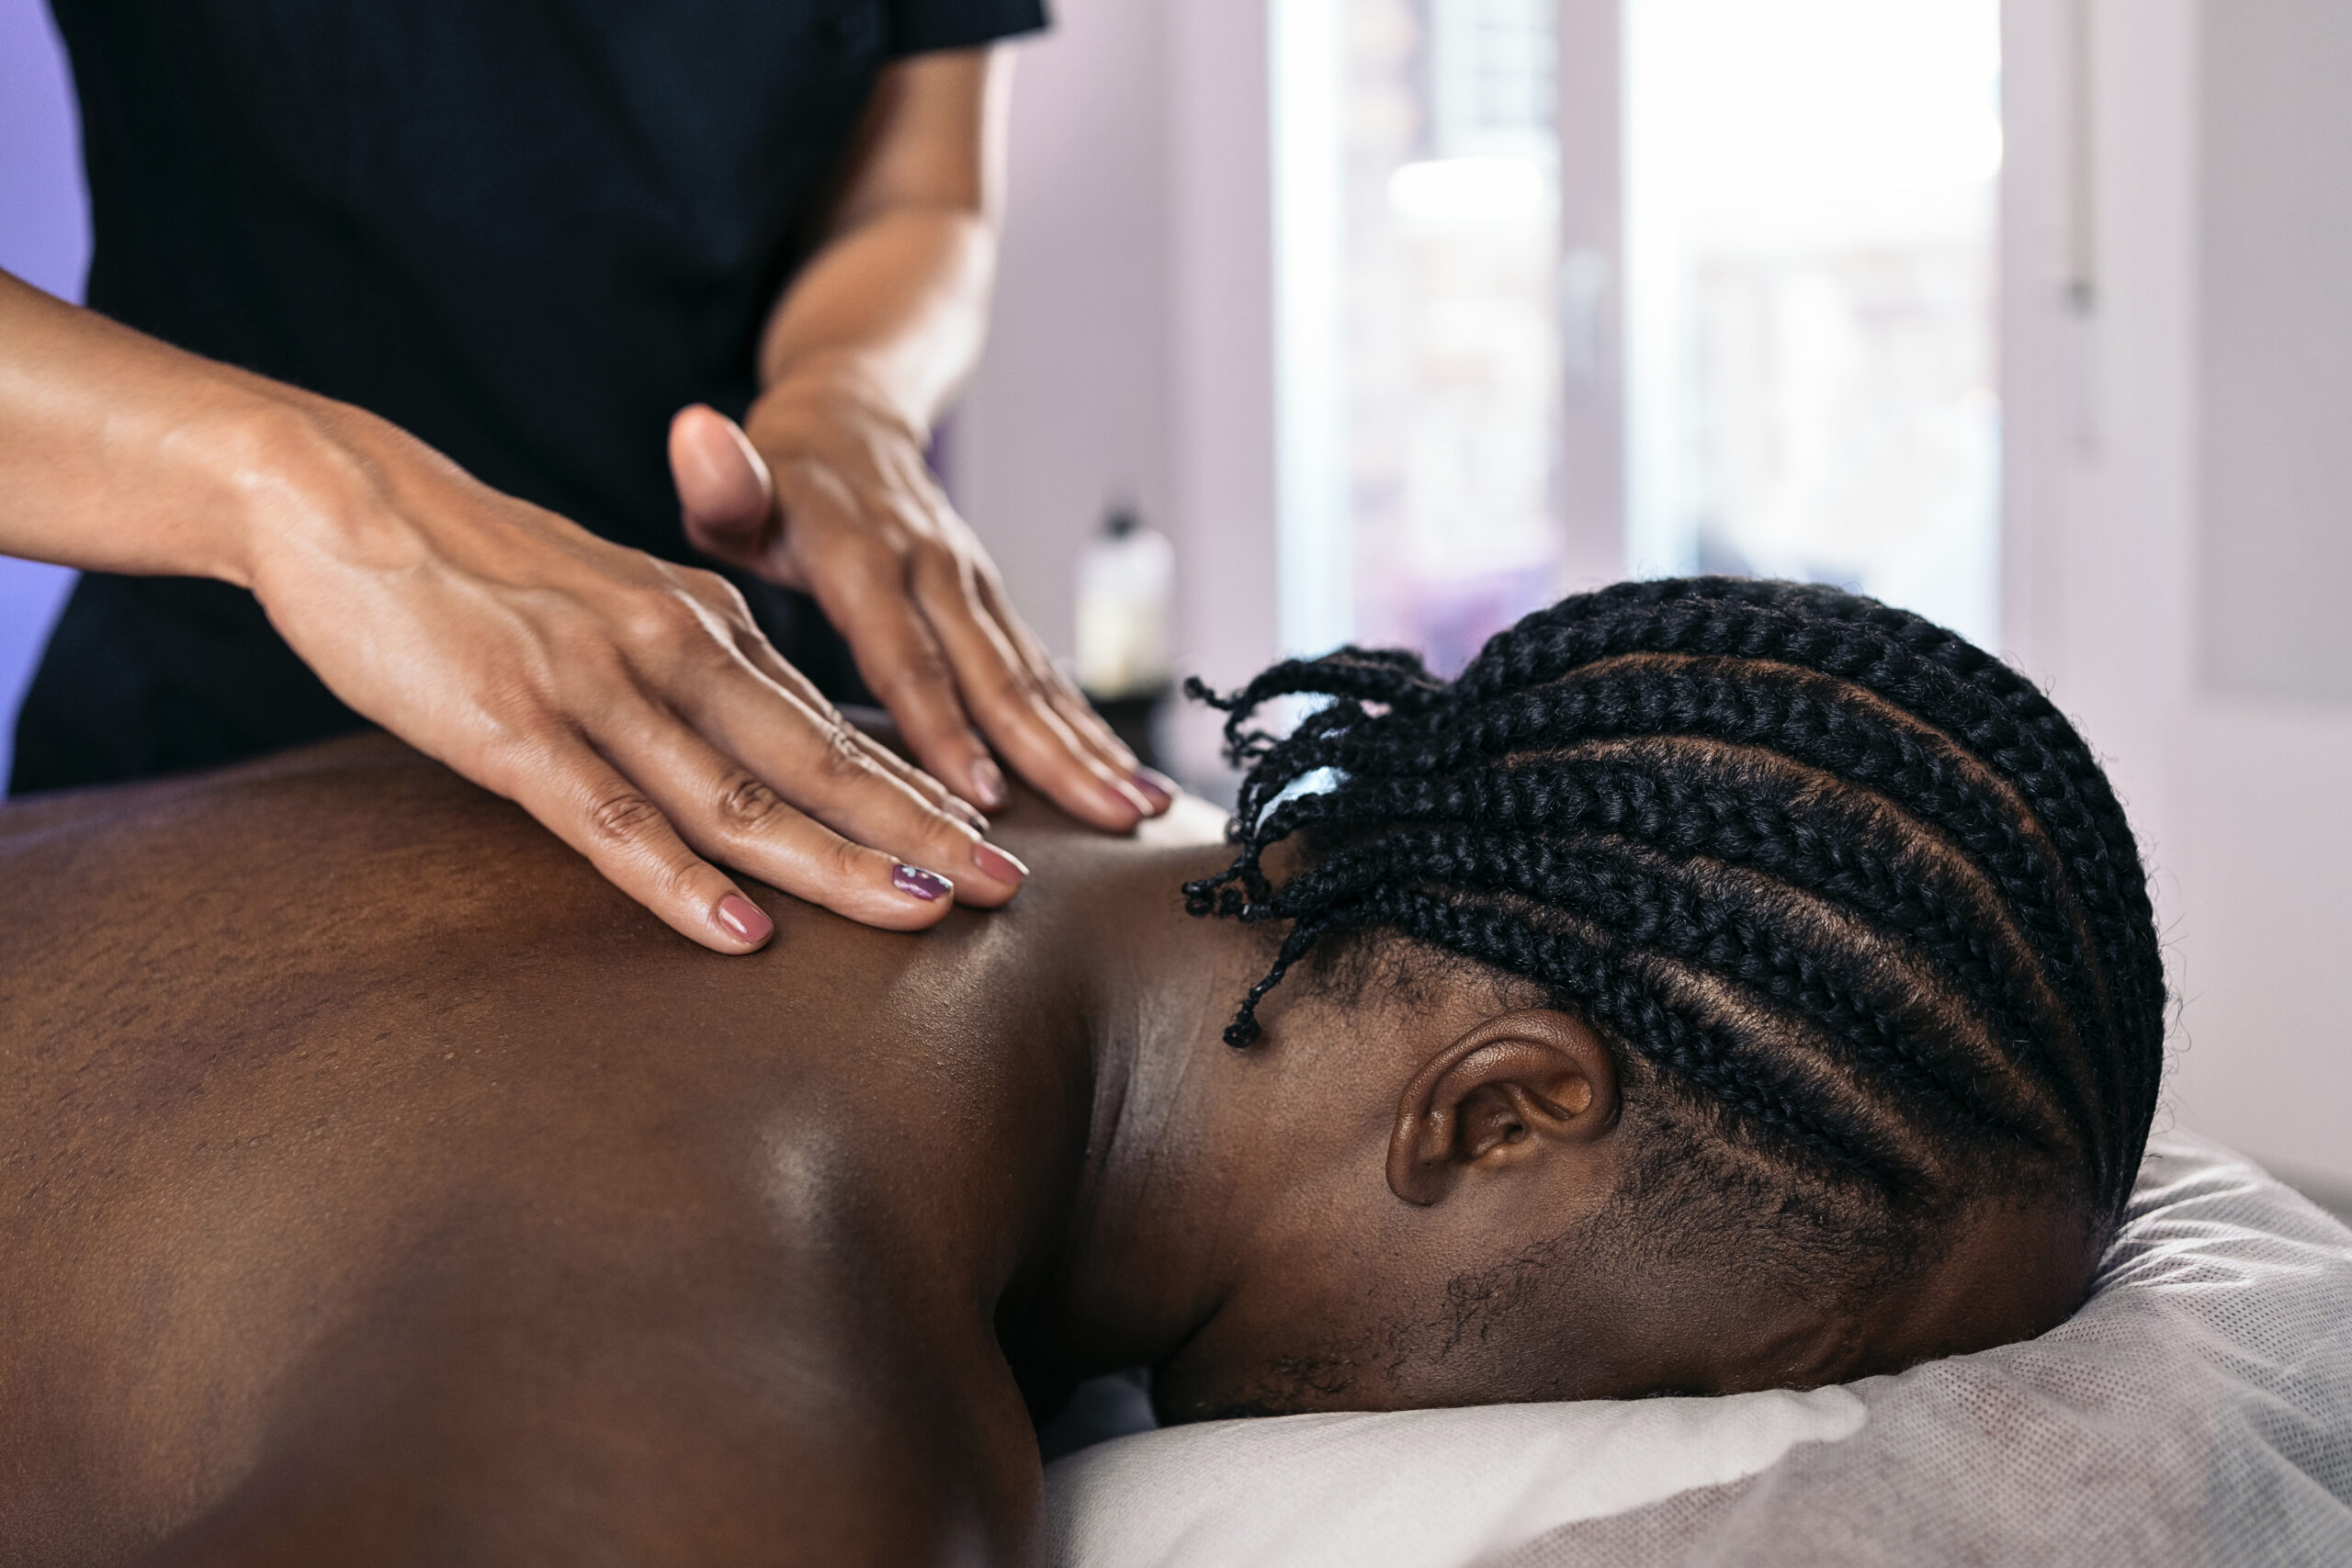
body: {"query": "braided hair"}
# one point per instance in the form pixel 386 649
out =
pixel 1849 891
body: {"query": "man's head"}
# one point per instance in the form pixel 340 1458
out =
pixel 1759 986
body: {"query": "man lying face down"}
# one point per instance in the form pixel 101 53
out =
pixel 1722 985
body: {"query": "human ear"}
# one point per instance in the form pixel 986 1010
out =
pixel 1513 1088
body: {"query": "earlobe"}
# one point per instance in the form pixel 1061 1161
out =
pixel 1511 1089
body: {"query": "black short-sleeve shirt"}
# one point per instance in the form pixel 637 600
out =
pixel 527 231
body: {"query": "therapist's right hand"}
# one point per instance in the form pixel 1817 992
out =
pixel 629 704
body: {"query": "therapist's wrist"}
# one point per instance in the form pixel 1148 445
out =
pixel 283 470
pixel 312 484
pixel 831 393
pixel 210 463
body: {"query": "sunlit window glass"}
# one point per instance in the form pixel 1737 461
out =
pixel 1810 192
pixel 1441 382
pixel 1811 209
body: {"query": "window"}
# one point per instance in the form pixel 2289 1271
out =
pixel 1811 246
pixel 1433 339
pixel 1806 285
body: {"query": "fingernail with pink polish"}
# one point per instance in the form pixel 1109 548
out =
pixel 996 864
pixel 1128 799
pixel 988 783
pixel 1157 786
pixel 927 885
pixel 743 920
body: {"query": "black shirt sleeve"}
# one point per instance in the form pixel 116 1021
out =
pixel 918 27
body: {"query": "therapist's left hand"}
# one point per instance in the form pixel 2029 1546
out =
pixel 824 490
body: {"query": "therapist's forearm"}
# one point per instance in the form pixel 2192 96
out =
pixel 897 305
pixel 119 453
pixel 892 308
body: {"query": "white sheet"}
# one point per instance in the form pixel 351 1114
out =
pixel 1328 1491
pixel 2197 1410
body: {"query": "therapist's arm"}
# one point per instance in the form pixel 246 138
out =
pixel 862 350
pixel 630 704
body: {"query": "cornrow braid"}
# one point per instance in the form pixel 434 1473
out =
pixel 1842 881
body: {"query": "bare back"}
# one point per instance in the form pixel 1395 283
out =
pixel 343 1107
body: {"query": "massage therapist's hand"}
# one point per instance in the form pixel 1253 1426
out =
pixel 826 490
pixel 629 704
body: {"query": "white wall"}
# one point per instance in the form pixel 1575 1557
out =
pixel 2276 566
pixel 2133 469
pixel 2264 765
pixel 1132 352
pixel 1070 408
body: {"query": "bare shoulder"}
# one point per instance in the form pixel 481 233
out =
pixel 352 831
pixel 320 770
pixel 153 936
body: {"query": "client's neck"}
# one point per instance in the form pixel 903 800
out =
pixel 1135 1275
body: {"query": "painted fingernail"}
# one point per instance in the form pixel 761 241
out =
pixel 995 862
pixel 927 885
pixel 1127 795
pixel 1156 785
pixel 988 783
pixel 743 920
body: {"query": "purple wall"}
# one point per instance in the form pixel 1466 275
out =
pixel 45 240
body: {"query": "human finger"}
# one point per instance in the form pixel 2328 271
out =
pixel 830 772
pixel 1092 729
pixel 726 496
pixel 1156 788
pixel 727 812
pixel 621 831
pixel 762 657
pixel 863 589
pixel 1014 705
pixel 727 614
